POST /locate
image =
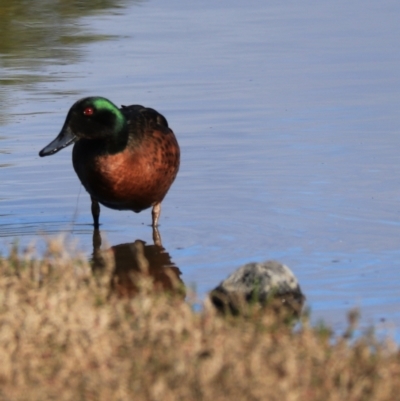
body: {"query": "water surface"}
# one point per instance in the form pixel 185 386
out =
pixel 287 117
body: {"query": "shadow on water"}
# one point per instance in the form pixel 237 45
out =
pixel 135 261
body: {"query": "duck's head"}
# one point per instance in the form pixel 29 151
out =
pixel 89 118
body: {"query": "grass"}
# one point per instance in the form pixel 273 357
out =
pixel 65 335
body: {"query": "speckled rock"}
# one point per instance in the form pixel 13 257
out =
pixel 268 283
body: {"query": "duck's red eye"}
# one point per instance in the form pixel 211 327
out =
pixel 89 111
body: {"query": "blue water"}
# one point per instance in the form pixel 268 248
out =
pixel 288 119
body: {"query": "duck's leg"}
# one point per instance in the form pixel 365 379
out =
pixel 156 237
pixel 95 212
pixel 155 213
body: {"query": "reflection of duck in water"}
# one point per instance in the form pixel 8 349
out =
pixel 137 261
pixel 126 158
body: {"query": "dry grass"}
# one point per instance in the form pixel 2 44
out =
pixel 64 336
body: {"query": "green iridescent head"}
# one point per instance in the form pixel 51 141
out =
pixel 90 118
pixel 95 117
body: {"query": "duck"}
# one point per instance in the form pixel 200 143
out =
pixel 126 158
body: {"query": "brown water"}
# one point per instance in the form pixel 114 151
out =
pixel 288 119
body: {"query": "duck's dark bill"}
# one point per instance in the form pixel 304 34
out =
pixel 65 138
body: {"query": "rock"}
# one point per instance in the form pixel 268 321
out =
pixel 264 284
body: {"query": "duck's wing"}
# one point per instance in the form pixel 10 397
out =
pixel 145 115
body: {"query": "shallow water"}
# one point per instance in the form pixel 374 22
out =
pixel 287 117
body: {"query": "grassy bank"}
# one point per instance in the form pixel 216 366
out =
pixel 65 335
